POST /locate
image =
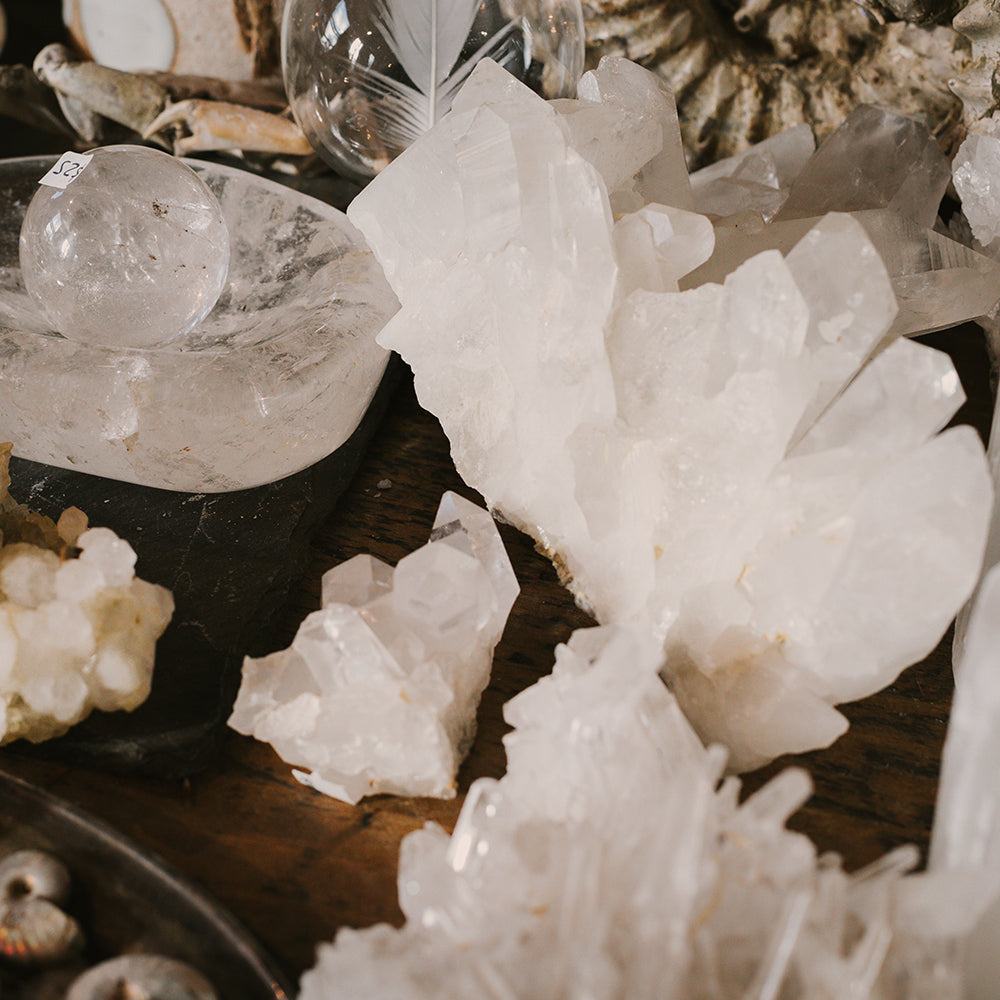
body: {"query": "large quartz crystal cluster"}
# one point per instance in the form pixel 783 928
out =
pixel 78 629
pixel 612 861
pixel 748 462
pixel 379 689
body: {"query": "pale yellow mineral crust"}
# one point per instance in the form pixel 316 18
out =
pixel 78 629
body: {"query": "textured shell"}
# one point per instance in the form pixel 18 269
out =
pixel 35 931
pixel 742 73
pixel 33 874
pixel 978 85
pixel 153 976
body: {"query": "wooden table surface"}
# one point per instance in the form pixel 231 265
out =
pixel 294 866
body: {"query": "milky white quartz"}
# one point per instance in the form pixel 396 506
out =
pixel 690 459
pixel 379 689
pixel 78 630
pixel 613 862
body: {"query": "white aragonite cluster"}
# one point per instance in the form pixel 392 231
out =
pixel 614 862
pixel 78 628
pixel 724 463
pixel 379 689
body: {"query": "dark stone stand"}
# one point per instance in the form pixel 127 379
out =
pixel 230 559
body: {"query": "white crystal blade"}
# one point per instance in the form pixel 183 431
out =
pixel 456 514
pixel 966 835
pixel 643 107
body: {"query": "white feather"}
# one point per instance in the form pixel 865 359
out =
pixel 427 37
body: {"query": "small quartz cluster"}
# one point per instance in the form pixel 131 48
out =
pixel 692 391
pixel 379 689
pixel 78 629
pixel 976 172
pixel 613 861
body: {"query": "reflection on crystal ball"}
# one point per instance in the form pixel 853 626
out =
pixel 133 252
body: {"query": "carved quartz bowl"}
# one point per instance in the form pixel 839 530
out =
pixel 276 377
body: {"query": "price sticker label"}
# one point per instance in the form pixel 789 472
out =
pixel 68 167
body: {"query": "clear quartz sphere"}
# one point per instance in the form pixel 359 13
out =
pixel 134 252
pixel 365 78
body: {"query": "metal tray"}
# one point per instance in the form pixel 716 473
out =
pixel 127 900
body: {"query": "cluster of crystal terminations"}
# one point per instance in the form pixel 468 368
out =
pixel 78 629
pixel 379 689
pixel 611 863
pixel 725 441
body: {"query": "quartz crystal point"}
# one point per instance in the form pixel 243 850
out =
pixel 379 689
pixel 938 282
pixel 78 629
pixel 875 159
pixel 688 458
pixel 610 862
pixel 756 180
pixel 992 555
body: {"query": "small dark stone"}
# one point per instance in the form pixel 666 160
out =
pixel 924 11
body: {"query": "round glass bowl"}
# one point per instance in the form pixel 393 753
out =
pixel 365 78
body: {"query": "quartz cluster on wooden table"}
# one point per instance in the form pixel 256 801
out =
pixel 711 426
pixel 379 689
